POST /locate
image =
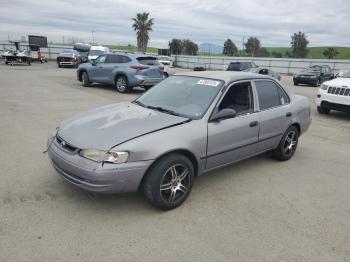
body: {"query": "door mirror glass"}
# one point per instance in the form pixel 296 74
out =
pixel 224 114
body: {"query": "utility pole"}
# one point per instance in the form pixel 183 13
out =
pixel 92 34
pixel 243 46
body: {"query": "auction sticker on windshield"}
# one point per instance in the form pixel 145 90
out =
pixel 208 82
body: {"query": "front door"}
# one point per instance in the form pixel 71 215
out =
pixel 230 140
pixel 97 72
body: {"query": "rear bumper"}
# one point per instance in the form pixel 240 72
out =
pixel 92 176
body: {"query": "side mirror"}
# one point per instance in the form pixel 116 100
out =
pixel 223 114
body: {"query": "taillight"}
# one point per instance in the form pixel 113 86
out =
pixel 139 67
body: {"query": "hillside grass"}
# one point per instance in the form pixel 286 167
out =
pixel 314 52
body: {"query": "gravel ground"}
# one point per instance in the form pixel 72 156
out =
pixel 256 210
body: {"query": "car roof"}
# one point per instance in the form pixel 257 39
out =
pixel 226 76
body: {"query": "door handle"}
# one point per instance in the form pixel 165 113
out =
pixel 254 123
pixel 289 114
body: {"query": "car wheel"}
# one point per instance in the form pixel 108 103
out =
pixel 121 84
pixel 323 110
pixel 85 78
pixel 296 83
pixel 287 145
pixel 59 66
pixel 169 181
pixel 166 75
pixel 317 83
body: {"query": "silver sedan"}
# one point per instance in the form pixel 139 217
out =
pixel 183 127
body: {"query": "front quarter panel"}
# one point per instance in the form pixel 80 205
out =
pixel 191 137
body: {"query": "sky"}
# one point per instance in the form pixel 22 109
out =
pixel 326 23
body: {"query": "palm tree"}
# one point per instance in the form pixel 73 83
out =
pixel 142 25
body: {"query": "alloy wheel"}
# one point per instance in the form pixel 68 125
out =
pixel 121 85
pixel 175 183
pixel 290 143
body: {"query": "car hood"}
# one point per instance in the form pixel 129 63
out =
pixel 108 126
pixel 340 82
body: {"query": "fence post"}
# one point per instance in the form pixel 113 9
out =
pixel 49 49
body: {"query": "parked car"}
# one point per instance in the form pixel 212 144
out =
pixel 165 60
pixel 185 126
pixel 334 95
pixel 123 70
pixel 68 57
pixel 96 51
pixel 199 67
pixel 241 66
pixel 265 71
pixel 341 73
pixel 167 63
pixel 313 75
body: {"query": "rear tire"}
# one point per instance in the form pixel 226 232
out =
pixel 323 110
pixel 85 79
pixel 169 181
pixel 121 84
pixel 166 75
pixel 288 144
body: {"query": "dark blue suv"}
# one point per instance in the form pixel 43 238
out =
pixel 123 70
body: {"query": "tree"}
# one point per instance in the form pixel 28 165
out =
pixel 189 47
pixel 330 52
pixel 230 48
pixel 252 45
pixel 299 45
pixel 142 25
pixel 176 46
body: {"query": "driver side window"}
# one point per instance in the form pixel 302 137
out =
pixel 239 97
pixel 101 59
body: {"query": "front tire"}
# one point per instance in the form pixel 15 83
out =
pixel 296 83
pixel 85 79
pixel 169 181
pixel 121 84
pixel 317 83
pixel 287 145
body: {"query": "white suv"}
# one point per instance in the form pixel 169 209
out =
pixel 334 95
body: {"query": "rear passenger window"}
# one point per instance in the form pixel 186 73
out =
pixel 118 59
pixel 270 94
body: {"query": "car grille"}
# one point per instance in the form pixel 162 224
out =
pixel 341 91
pixel 64 144
pixel 66 59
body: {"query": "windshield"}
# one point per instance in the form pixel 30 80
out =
pixel 68 51
pixel 148 61
pixel 312 69
pixel 182 95
pixel 95 52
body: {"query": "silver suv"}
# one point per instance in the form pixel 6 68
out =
pixel 123 70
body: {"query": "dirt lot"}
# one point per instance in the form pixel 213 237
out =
pixel 256 210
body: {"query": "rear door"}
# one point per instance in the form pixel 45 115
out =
pixel 274 113
pixel 230 140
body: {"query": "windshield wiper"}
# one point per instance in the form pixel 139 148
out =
pixel 164 110
pixel 139 103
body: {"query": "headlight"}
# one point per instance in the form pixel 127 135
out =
pixel 324 87
pixel 105 156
